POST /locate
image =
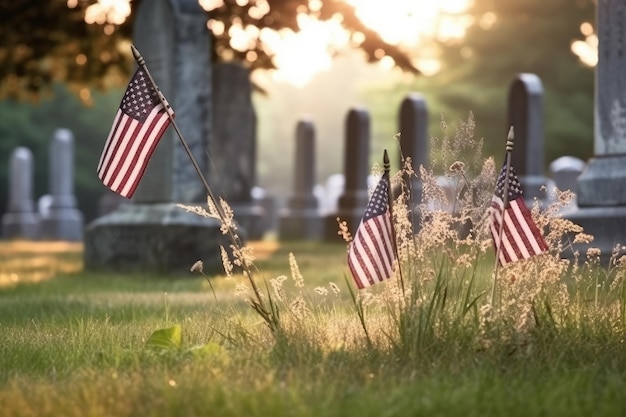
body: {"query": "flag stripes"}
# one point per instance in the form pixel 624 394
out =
pixel 139 124
pixel 520 237
pixel 371 254
pixel 372 257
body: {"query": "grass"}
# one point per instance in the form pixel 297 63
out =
pixel 75 344
pixel 550 342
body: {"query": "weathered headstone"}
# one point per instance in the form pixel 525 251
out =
pixel 301 219
pixel 43 206
pixel 525 114
pixel 413 124
pixel 153 234
pixel 109 202
pixel 333 189
pixel 353 201
pixel 267 200
pixel 232 151
pixel 602 186
pixel 63 221
pixel 565 172
pixel 414 143
pixel 20 220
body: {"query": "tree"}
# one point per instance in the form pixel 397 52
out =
pixel 534 36
pixel 51 41
pixel 47 46
pixel 510 37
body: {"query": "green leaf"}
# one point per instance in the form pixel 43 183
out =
pixel 166 339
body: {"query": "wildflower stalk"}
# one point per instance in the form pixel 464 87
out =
pixel 505 203
pixel 257 303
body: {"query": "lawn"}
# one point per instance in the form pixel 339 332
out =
pixel 75 343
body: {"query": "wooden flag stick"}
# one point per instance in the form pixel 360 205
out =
pixel 387 168
pixel 142 63
pixel 505 202
pixel 234 239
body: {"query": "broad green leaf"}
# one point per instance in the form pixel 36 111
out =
pixel 166 339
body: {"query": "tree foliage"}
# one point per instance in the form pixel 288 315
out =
pixel 509 37
pixel 45 42
pixel 532 36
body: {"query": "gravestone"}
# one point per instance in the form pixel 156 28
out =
pixel 301 218
pixel 602 186
pixel 109 202
pixel 565 172
pixel 413 125
pixel 20 219
pixel 333 189
pixel 43 206
pixel 63 221
pixel 152 233
pixel 414 143
pixel 267 200
pixel 232 150
pixel 352 203
pixel 525 114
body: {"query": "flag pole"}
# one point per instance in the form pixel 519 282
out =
pixel 505 202
pixel 387 168
pixel 142 63
pixel 236 242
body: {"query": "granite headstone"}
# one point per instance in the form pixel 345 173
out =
pixel 20 221
pixel 63 221
pixel 352 202
pixel 602 185
pixel 152 233
pixel 301 218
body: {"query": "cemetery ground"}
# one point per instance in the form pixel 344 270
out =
pixel 77 343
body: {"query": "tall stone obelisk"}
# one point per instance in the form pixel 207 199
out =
pixel 602 186
pixel 152 233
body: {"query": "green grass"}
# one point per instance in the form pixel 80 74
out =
pixel 75 345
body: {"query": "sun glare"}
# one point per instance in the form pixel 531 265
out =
pixel 587 50
pixel 406 23
pixel 298 56
pixel 411 21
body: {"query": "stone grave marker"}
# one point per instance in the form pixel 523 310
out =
pixel 565 172
pixel 414 143
pixel 64 221
pixel 152 233
pixel 232 150
pixel 301 218
pixel 601 193
pixel 525 114
pixel 351 204
pixel 333 189
pixel 20 221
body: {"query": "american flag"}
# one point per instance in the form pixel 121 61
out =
pixel 371 254
pixel 139 124
pixel 521 238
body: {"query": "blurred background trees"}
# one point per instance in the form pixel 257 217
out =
pixel 65 63
pixel 508 37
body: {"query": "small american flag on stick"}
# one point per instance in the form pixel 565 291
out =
pixel 520 238
pixel 371 254
pixel 137 128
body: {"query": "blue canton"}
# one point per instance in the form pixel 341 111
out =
pixel 140 97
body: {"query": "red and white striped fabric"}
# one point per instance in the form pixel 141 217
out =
pixel 139 124
pixel 371 254
pixel 521 238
